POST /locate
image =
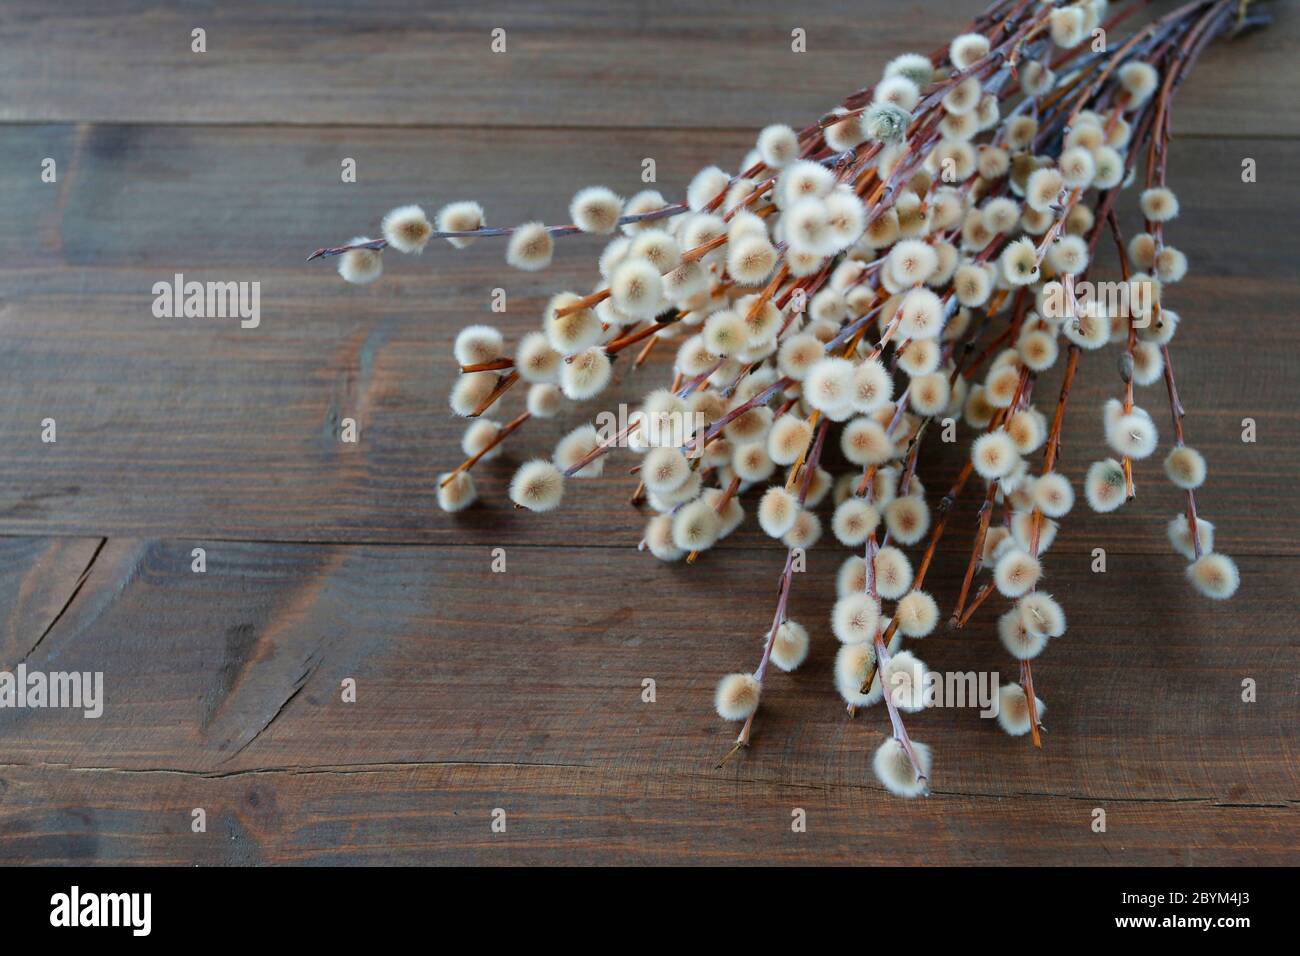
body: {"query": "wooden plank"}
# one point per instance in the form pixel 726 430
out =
pixel 424 815
pixel 38 579
pixel 240 669
pixel 196 427
pixel 522 690
pixel 674 63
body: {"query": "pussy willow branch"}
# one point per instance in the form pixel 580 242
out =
pixel 985 513
pixel 1015 29
pixel 1130 345
pixel 1104 210
pixel 663 212
pixel 959 617
pixel 899 176
pixel 1049 461
pixel 1191 47
pixel 910 456
pixel 808 284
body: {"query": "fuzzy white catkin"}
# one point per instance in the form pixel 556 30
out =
pixel 778 145
pixel 1038 350
pixel 921 314
pixel 896 92
pixel 478 436
pixel 788 439
pixel 361 266
pixel 855 618
pixel 707 184
pixel 904 677
pixel 1019 641
pixel 917 614
pixel 912 261
pixel 586 376
pixel 471 390
pixel 872 388
pixel 458 493
pixel 1044 188
pixel 647 200
pixel 912 66
pixel 1016 572
pixel 737 696
pixel 828 387
pixel 596 209
pixel 1022 530
pixel 696 526
pixel 854 522
pixel 637 288
pixel 966 49
pixel 1041 615
pixel 930 394
pixel 575 446
pixel 1159 204
pixel 659 539
pixel 805 532
pixel 908 519
pixel 751 462
pixel 544 400
pixel 853 664
pixel 537 486
pixel 407 229
pixel 1013 710
pixel 1133 435
pixel 535 360
pixel 1185 467
pixel 1019 262
pixel 751 260
pixel 893 573
pixel 1181 538
pixel 476 344
pixel 790 648
pixel 893 768
pixel 1214 575
pixel 1068 26
pixel 463 216
pixel 994 455
pixel 1103 485
pixel 731 515
pixel 664 470
pixel 530 247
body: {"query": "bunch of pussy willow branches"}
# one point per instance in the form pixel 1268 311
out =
pixel 917 254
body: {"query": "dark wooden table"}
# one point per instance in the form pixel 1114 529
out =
pixel 522 690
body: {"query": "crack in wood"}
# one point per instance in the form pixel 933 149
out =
pixel 768 786
pixel 76 589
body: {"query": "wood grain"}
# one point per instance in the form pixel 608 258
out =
pixel 522 690
pixel 195 426
pixel 441 815
pixel 477 690
pixel 674 63
pixel 240 667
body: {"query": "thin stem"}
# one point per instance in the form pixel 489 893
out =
pixel 1129 491
pixel 497 439
pixel 896 719
pixel 662 212
pixel 783 598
